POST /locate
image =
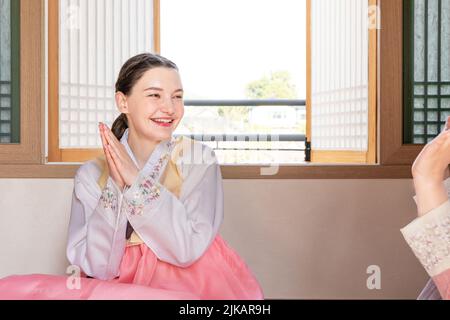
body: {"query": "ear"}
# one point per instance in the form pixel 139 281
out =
pixel 121 102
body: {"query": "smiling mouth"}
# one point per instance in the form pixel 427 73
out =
pixel 163 122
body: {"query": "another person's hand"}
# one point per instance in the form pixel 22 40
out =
pixel 447 170
pixel 429 170
pixel 122 168
pixel 433 160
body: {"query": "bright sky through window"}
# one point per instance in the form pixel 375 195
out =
pixel 238 50
pixel 221 46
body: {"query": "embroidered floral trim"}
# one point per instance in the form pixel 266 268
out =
pixel 431 244
pixel 147 190
pixel 108 198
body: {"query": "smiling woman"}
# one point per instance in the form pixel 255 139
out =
pixel 148 212
pixel 148 88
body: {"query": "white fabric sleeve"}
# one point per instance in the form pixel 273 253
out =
pixel 96 239
pixel 429 238
pixel 180 230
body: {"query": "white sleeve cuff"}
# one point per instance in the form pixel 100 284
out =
pixel 110 201
pixel 429 238
pixel 145 192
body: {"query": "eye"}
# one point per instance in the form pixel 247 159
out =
pixel 154 95
pixel 178 97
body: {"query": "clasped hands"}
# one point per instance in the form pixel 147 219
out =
pixel 121 167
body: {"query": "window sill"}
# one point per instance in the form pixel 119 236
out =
pixel 303 171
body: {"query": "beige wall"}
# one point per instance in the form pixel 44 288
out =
pixel 302 238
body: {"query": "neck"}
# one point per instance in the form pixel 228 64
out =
pixel 141 147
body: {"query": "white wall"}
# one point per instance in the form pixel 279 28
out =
pixel 302 238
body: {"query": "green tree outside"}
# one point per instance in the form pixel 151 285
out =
pixel 276 85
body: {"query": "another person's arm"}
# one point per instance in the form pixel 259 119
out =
pixel 429 234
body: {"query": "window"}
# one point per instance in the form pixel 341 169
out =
pixel 26 159
pixel 91 42
pixel 256 84
pixel 427 69
pixel 22 88
pixel 406 37
pixel 9 71
pixel 251 105
pixel 243 65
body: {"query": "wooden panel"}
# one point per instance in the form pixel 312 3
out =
pixel 79 155
pixel 320 172
pixel 373 82
pixel 157 26
pixel 320 156
pixel 54 152
pixel 236 172
pixel 43 171
pixel 390 94
pixel 31 146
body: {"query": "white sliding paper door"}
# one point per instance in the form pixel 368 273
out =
pixel 96 37
pixel 340 96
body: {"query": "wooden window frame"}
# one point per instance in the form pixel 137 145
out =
pixel 31 146
pixel 55 153
pixel 27 160
pixel 392 149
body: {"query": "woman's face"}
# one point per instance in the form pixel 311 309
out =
pixel 155 105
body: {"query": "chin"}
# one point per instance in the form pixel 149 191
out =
pixel 161 135
pixel 158 134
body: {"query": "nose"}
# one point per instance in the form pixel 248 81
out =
pixel 167 106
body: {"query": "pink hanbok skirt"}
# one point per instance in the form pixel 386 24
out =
pixel 220 274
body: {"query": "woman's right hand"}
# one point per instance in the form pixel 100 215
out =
pixel 113 172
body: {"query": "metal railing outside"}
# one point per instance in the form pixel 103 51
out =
pixel 262 137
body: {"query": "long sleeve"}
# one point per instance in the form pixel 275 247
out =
pixel 429 238
pixel 96 240
pixel 178 230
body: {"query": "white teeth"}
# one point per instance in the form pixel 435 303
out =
pixel 163 120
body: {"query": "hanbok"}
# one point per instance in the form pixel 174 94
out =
pixel 156 239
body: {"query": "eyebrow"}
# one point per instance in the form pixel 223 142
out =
pixel 160 89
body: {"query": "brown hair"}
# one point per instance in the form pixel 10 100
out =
pixel 129 74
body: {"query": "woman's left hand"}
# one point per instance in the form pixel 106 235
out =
pixel 125 165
